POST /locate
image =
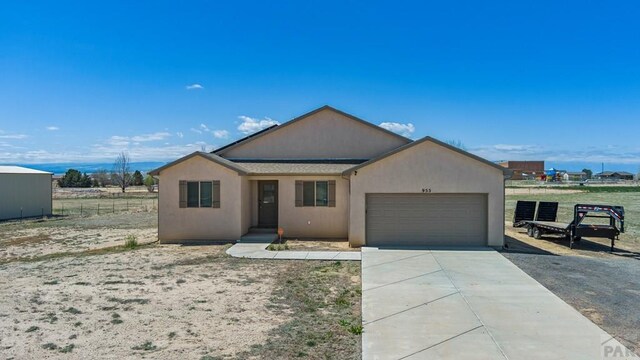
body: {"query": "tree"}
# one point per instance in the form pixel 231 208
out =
pixel 137 178
pixel 588 172
pixel 102 177
pixel 121 174
pixel 149 182
pixel 74 178
pixel 457 143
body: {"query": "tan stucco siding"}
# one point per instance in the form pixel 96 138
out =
pixel 246 192
pixel 325 134
pixel 183 224
pixel 25 195
pixel 308 222
pixel 428 166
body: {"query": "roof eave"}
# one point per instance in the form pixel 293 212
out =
pixel 504 170
pixel 211 157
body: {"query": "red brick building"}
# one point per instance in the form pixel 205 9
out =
pixel 525 170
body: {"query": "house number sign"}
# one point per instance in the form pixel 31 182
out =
pixel 426 190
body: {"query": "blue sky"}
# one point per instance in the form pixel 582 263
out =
pixel 82 81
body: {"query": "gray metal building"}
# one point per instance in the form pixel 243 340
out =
pixel 24 192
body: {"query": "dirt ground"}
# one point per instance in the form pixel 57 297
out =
pixel 32 238
pixel 319 245
pixel 70 290
pixel 175 298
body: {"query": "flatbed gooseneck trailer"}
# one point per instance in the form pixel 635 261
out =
pixel 543 220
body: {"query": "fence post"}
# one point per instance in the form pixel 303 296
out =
pixel 127 204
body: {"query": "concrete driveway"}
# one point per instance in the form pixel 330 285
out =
pixel 468 304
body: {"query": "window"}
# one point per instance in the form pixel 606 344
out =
pixel 205 194
pixel 308 193
pixel 199 194
pixel 322 193
pixel 193 194
pixel 315 193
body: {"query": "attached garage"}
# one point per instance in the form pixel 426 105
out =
pixel 419 220
pixel 427 194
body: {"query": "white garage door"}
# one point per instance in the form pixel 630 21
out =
pixel 426 220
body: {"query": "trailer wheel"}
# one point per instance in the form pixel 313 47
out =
pixel 537 234
pixel 530 231
pixel 577 239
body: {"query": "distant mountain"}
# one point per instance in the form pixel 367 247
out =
pixel 145 166
pixel 61 168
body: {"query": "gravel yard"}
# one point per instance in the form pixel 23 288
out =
pixel 604 288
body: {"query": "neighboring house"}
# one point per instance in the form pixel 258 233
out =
pixel 328 174
pixel 24 192
pixel 574 176
pixel 614 175
pixel 525 170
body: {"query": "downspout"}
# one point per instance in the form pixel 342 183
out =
pixel 506 176
pixel 348 178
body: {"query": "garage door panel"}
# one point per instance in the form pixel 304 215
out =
pixel 426 220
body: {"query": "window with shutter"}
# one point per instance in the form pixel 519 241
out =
pixel 315 193
pixel 199 194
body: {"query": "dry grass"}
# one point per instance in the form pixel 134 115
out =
pixel 319 245
pixel 630 200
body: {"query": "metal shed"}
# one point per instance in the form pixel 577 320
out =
pixel 24 192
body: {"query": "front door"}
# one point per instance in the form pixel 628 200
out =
pixel 268 204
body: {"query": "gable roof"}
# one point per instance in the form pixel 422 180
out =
pixel 504 170
pixel 266 168
pixel 275 128
pixel 212 157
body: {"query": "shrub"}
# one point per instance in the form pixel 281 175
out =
pixel 355 329
pixel 131 242
pixel 149 182
pixel 147 346
pixel 32 329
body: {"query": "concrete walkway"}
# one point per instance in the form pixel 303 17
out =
pixel 254 246
pixel 473 304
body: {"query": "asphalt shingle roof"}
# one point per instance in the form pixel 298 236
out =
pixel 294 168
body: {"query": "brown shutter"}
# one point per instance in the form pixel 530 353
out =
pixel 215 194
pixel 298 193
pixel 332 193
pixel 182 194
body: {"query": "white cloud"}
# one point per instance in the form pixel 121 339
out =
pixel 250 125
pixel 118 140
pixel 180 134
pixel 606 154
pixel 13 136
pixel 196 130
pixel 204 127
pixel 151 137
pixel 53 128
pixel 399 128
pixel 122 141
pixel 220 134
pixel 195 86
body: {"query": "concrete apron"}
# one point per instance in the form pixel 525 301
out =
pixel 254 246
pixel 467 304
